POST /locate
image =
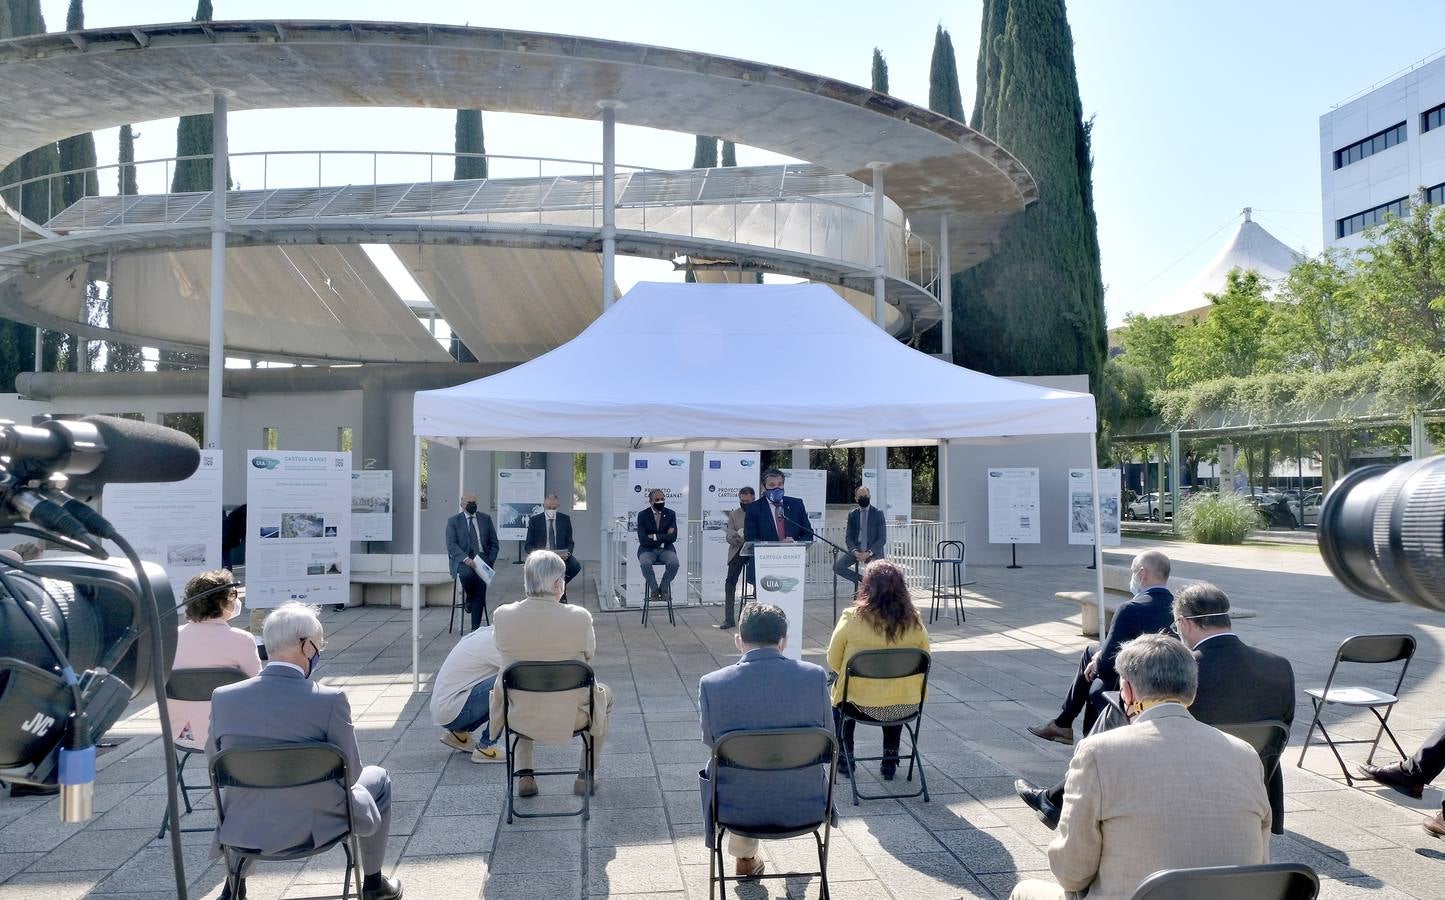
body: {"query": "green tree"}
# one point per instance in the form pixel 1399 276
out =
pixel 1402 280
pixel 1035 307
pixel 122 357
pixel 1149 344
pixel 943 91
pixel 880 72
pixel 986 78
pixel 1319 322
pixel 704 156
pixel 1229 341
pixel 469 139
pixel 125 174
pixel 729 154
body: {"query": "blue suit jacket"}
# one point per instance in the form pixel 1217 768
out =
pixel 758 524
pixel 763 690
pixel 1151 612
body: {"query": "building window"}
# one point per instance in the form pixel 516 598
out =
pixel 270 438
pixel 1431 119
pixel 1435 196
pixel 1361 220
pixel 1370 146
pixel 343 439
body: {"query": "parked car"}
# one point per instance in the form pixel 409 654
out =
pixel 1150 506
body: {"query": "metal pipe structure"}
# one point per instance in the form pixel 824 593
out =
pixel 1098 532
pixel 416 566
pixel 880 273
pixel 1174 464
pixel 216 358
pixel 609 296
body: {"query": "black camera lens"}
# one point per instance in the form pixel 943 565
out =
pixel 1382 532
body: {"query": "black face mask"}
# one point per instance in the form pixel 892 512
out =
pixel 471 508
pixel 864 501
pixel 658 504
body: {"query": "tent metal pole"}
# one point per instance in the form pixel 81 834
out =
pixel 1176 467
pixel 461 467
pixel 945 508
pixel 216 350
pixel 1098 532
pixel 416 568
pixel 609 296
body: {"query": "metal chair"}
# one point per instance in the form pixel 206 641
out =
pixel 948 580
pixel 660 596
pixel 547 678
pixel 1271 881
pixel 286 766
pixel 196 685
pixel 901 662
pixel 1362 649
pixel 1268 737
pixel 773 750
pixel 459 602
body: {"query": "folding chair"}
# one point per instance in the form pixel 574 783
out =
pixel 286 766
pixel 947 563
pixel 773 750
pixel 1271 881
pixel 902 662
pixel 1362 649
pixel 1267 737
pixel 197 685
pixel 547 678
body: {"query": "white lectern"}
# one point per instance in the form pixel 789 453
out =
pixel 780 570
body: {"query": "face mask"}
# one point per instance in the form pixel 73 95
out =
pixel 744 501
pixel 1136 584
pixel 775 495
pixel 658 504
pixel 311 663
pixel 864 501
pixel 471 508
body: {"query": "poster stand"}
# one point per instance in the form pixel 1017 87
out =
pixel 1013 548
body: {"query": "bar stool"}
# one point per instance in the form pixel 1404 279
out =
pixel 648 597
pixel 458 603
pixel 948 580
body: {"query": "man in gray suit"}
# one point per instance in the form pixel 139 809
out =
pixel 730 700
pixel 282 705
pixel 471 540
pixel 867 537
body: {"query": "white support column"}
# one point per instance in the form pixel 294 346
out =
pixel 1098 531
pixel 1419 437
pixel 416 565
pixel 39 349
pixel 945 508
pixel 1176 469
pixel 216 359
pixel 800 458
pixel 461 467
pixel 609 296
pixel 880 318
pixel 945 289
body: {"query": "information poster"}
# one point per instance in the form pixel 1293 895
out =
pixel 1081 507
pixel 298 527
pixel 176 525
pixel 781 572
pixel 900 494
pixel 520 493
pixel 669 472
pixel 723 473
pixel 371 505
pixel 1013 506
pixel 810 486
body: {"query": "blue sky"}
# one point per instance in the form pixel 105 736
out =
pixel 1200 108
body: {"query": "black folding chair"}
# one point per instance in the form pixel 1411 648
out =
pixel 1268 738
pixel 1362 649
pixel 548 678
pixel 286 766
pixel 773 750
pixel 196 685
pixel 1271 881
pixel 947 563
pixel 901 662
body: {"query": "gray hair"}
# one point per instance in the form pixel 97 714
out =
pixel 773 473
pixel 1155 562
pixel 542 571
pixel 1159 667
pixel 1203 604
pixel 288 625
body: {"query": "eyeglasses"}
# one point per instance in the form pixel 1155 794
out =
pixel 319 645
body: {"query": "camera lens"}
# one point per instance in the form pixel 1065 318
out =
pixel 1382 532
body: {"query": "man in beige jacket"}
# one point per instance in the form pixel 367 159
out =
pixel 540 628
pixel 1163 792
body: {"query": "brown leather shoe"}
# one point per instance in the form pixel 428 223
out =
pixel 750 867
pixel 1053 731
pixel 1395 778
pixel 526 786
pixel 1435 826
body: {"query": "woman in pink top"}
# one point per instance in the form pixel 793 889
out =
pixel 205 642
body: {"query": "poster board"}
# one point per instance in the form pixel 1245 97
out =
pixel 723 473
pixel 298 527
pixel 1080 507
pixel 781 580
pixel 520 493
pixel 1013 506
pixel 810 486
pixel 900 494
pixel 672 473
pixel 371 505
pixel 176 524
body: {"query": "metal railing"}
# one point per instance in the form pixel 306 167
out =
pixel 800 208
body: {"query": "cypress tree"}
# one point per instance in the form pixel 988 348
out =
pixel 469 139
pixel 943 90
pixel 880 72
pixel 1035 307
pixel 125 177
pixel 122 357
pixel 705 156
pixel 729 154
pixel 987 70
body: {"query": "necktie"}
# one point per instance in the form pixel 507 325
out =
pixel 863 531
pixel 476 535
pixel 778 519
pixel 551 534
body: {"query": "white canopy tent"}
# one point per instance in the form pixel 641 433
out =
pixel 736 367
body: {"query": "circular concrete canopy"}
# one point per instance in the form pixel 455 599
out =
pixel 57 85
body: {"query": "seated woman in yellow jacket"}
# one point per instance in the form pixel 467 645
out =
pixel 883 617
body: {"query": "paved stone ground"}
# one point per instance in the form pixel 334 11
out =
pixel 1002 670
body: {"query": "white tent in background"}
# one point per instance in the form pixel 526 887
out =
pixel 1250 248
pixel 736 367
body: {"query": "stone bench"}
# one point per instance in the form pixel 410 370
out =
pixel 384 579
pixel 1116 593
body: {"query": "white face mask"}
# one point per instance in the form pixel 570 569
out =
pixel 1136 584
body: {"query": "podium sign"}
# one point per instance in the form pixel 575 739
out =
pixel 781 570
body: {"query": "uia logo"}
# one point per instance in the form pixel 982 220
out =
pixel 265 462
pixel 677 463
pixel 776 584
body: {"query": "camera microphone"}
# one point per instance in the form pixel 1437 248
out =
pixel 97 450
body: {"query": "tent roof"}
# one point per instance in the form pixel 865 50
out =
pixel 722 367
pixel 1250 248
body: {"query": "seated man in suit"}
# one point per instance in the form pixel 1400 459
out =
pixel 866 537
pixel 656 543
pixel 1149 612
pixel 282 705
pixel 1237 684
pixel 1410 776
pixel 1163 792
pixel 728 700
pixel 775 516
pixel 539 628
pixel 471 539
pixel 552 530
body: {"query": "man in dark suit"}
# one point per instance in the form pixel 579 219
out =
pixel 656 543
pixel 552 530
pixel 775 517
pixel 471 540
pixel 866 537
pixel 1150 612
pixel 1237 684
pixel 797 695
pixel 281 705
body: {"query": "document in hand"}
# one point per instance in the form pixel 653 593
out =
pixel 486 572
